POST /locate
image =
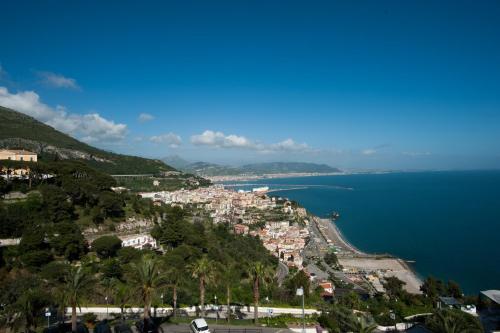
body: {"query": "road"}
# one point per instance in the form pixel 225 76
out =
pixel 281 272
pixel 184 328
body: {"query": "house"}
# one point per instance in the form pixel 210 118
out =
pixel 17 155
pixel 139 242
pixel 448 302
pixel 327 287
pixel 241 229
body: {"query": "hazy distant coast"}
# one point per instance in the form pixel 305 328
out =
pixel 229 178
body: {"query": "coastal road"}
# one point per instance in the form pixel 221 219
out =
pixel 184 328
pixel 281 272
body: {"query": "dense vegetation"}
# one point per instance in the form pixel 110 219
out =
pixel 54 266
pixel 23 132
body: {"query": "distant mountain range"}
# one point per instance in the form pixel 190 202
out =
pixel 20 131
pixel 212 169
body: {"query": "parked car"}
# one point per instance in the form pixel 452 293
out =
pixel 199 326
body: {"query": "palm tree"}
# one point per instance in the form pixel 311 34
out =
pixel 121 295
pixel 229 278
pixel 453 321
pixel 203 270
pixel 77 283
pixel 259 275
pixel 353 323
pixel 22 313
pixel 146 277
pixel 174 278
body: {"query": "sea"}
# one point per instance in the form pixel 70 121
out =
pixel 446 223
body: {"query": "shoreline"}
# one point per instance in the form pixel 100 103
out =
pixel 221 179
pixel 354 259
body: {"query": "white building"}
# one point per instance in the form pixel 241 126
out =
pixel 139 241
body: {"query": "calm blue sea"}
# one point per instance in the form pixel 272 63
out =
pixel 447 222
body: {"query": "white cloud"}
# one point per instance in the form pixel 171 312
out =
pixel 171 139
pixel 220 140
pixel 369 152
pixel 57 80
pixel 290 145
pixel 88 127
pixel 144 117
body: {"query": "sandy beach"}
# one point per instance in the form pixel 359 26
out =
pixel 352 258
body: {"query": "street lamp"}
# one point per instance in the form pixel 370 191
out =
pixel 106 298
pixel 47 314
pixel 161 296
pixel 216 309
pixel 300 292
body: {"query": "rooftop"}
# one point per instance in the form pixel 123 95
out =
pixel 494 295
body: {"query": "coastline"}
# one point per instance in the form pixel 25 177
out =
pixel 353 259
pixel 220 179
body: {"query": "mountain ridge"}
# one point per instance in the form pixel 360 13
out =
pixel 18 130
pixel 213 169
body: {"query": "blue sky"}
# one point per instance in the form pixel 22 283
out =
pixel 364 84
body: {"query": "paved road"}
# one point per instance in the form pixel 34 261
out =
pixel 184 328
pixel 281 272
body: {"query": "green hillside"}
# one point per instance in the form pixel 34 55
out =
pixel 20 131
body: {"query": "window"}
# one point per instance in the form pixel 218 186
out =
pixel 21 158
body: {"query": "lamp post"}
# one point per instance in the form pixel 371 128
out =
pixel 161 296
pixel 106 298
pixel 300 292
pixel 216 309
pixel 47 314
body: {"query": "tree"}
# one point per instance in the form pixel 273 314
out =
pixel 203 270
pixel 146 278
pixel 342 319
pixel 229 277
pixel 106 246
pixel 299 279
pixel 25 310
pixel 77 284
pixel 432 288
pixel 174 264
pixel 57 204
pixel 122 294
pixel 4 187
pixel 394 287
pixel 453 321
pixel 111 204
pixel 259 275
pixel 454 289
